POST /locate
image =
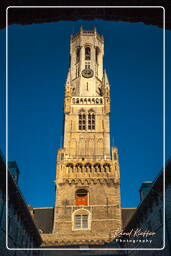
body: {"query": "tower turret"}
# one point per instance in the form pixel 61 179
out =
pixel 67 101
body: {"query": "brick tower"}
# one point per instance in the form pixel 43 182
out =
pixel 87 207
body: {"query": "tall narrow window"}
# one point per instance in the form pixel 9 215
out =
pixel 97 53
pixel 82 121
pixel 77 55
pixel 97 60
pixel 77 71
pixel 77 224
pixel 91 121
pixel 84 221
pixel 87 53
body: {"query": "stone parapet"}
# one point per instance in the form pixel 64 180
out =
pixel 75 239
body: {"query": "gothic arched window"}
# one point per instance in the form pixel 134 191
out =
pixel 70 167
pixel 79 167
pixel 82 120
pixel 87 53
pixel 87 167
pixel 97 167
pixel 107 167
pixel 91 120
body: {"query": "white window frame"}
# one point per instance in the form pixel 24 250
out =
pixel 81 222
pixel 81 212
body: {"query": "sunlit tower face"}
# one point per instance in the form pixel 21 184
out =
pixel 87 172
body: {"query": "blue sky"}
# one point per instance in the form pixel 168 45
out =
pixel 38 65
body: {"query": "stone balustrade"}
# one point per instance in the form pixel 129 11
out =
pixel 88 100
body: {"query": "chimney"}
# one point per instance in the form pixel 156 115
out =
pixel 144 189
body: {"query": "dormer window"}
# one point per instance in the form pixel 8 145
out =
pixel 87 53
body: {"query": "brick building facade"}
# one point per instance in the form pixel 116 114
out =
pixel 22 232
pixel 155 216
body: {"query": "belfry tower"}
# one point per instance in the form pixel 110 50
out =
pixel 87 207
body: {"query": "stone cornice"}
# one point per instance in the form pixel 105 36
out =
pixel 88 181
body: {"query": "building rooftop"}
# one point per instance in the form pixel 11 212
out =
pixel 84 32
pixel 43 218
pixel 17 200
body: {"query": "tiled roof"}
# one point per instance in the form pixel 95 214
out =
pixel 127 214
pixel 43 218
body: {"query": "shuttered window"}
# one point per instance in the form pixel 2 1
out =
pixel 81 197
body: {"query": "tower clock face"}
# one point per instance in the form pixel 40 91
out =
pixel 87 73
